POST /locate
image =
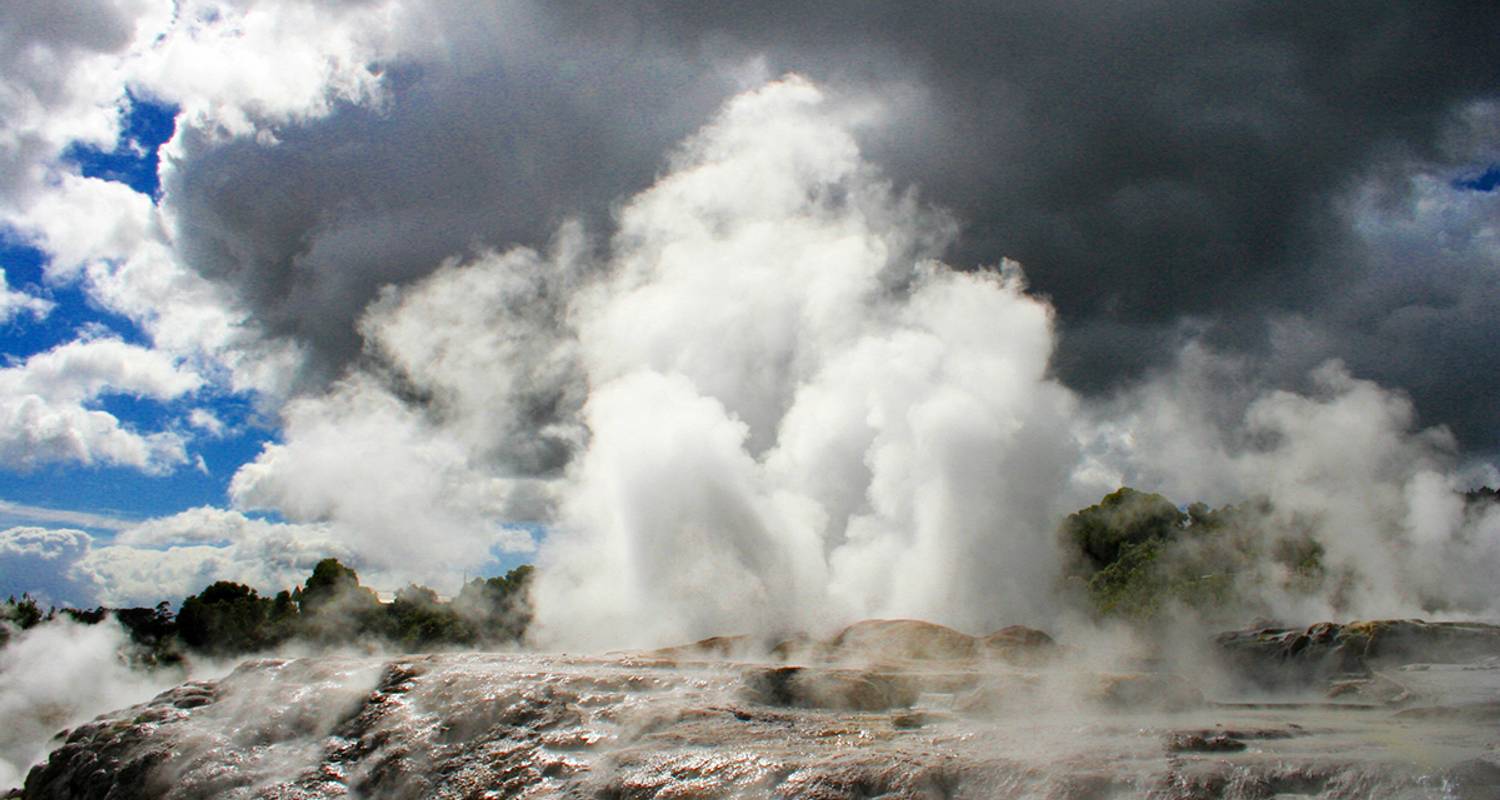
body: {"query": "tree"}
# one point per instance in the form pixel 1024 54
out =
pixel 1481 496
pixel 23 613
pixel 329 582
pixel 226 618
pixel 1124 518
pixel 500 607
pixel 334 607
pixel 20 615
pixel 421 620
pixel 1136 557
pixel 153 632
pixel 284 614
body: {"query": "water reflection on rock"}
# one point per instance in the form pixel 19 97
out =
pixel 887 709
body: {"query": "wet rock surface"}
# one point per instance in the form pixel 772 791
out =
pixel 1204 743
pixel 895 711
pixel 1278 657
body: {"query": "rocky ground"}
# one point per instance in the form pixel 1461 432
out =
pixel 1394 709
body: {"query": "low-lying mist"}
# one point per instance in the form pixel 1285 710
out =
pixel 58 674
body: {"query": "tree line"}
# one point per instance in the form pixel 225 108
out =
pixel 1139 557
pixel 331 608
pixel 1133 556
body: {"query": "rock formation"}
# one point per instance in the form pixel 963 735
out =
pixel 883 709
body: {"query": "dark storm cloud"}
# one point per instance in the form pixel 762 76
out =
pixel 1162 169
pixel 497 142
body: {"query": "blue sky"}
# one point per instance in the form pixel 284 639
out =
pixel 1486 181
pixel 119 492
pixel 103 499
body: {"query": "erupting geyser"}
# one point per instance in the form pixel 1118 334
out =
pixel 809 471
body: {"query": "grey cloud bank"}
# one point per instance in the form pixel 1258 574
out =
pixel 1162 170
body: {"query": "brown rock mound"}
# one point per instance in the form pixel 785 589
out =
pixel 838 689
pixel 712 647
pixel 903 639
pixel 1021 645
pixel 878 640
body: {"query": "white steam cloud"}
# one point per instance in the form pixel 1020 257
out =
pixel 764 405
pixel 1344 461
pixel 57 675
pixel 796 417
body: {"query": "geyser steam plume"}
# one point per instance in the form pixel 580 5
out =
pixel 769 407
pixel 797 417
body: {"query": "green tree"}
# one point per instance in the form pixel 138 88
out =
pixel 334 607
pixel 1101 533
pixel 226 618
pixel 284 614
pixel 23 613
pixel 329 582
pixel 1136 557
pixel 500 607
pixel 420 620
pixel 153 632
pixel 18 615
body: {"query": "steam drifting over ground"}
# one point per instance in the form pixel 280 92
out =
pixel 57 675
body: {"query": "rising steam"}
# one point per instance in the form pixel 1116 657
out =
pixel 59 674
pixel 797 417
pixel 764 405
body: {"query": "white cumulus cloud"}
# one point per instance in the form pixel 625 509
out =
pixel 46 406
pixel 168 558
pixel 14 304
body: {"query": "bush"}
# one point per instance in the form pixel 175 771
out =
pixel 333 607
